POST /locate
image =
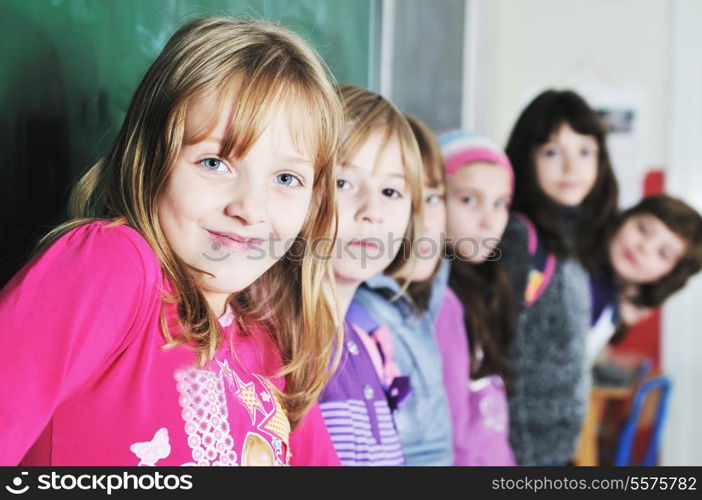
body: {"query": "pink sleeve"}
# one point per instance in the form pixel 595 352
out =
pixel 310 442
pixel 453 346
pixel 62 317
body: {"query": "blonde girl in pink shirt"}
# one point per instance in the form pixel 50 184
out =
pixel 180 317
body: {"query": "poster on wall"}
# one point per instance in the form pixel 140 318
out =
pixel 625 111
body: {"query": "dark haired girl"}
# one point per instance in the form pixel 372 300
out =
pixel 653 249
pixel 565 186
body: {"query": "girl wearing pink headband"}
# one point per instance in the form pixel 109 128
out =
pixel 480 181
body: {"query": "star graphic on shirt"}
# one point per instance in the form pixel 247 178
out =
pixel 276 422
pixel 248 397
pixel 225 371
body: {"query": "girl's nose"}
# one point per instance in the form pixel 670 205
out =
pixel 248 203
pixel 370 209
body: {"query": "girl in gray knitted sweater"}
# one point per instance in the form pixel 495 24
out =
pixel 565 186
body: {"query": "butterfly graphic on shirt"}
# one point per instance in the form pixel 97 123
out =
pixel 150 452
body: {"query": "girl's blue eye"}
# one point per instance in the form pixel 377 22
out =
pixel 288 180
pixel 342 184
pixel 392 193
pixel 551 152
pixel 586 152
pixel 213 164
pixel 469 200
pixel 433 199
pixel 500 204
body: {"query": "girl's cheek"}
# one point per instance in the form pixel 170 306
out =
pixel 436 217
pixel 288 213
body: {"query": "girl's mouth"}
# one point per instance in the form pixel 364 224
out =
pixel 568 185
pixel 425 250
pixel 631 257
pixel 367 244
pixel 234 241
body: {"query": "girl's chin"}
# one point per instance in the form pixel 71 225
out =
pixel 355 275
pixel 471 259
pixel 627 276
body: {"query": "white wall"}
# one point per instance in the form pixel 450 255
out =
pixel 643 53
pixel 682 339
pixel 611 51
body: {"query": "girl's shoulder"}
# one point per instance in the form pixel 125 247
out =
pixel 102 246
pixel 91 264
pixel 514 252
pixel 520 230
pixel 108 241
pixel 529 263
pixel 377 303
pixel 451 304
pixel 449 325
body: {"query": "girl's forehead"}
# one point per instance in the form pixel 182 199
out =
pixel 207 116
pixel 660 230
pixel 481 174
pixel 648 218
pixel 379 154
pixel 565 132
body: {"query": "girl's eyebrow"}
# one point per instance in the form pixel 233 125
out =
pixel 297 160
pixel 464 188
pixel 394 174
pixel 211 140
pixel 399 176
pixel 469 190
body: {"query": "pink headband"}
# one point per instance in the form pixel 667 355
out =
pixel 460 148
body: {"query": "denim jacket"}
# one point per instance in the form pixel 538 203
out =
pixel 423 420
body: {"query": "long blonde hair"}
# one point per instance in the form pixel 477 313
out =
pixel 264 67
pixel 366 113
pixel 434 177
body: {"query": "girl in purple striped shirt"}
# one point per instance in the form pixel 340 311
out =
pixel 379 188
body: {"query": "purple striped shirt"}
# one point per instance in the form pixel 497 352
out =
pixel 355 405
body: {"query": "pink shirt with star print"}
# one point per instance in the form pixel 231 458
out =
pixel 85 380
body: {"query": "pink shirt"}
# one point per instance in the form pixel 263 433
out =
pixel 85 380
pixel 479 411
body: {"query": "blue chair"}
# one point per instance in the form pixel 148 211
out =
pixel 626 438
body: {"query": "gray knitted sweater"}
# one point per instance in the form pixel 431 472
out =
pixel 548 400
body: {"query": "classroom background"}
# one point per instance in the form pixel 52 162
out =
pixel 69 67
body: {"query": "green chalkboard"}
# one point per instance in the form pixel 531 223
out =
pixel 68 69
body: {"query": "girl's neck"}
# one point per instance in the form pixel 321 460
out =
pixel 217 302
pixel 345 290
pixel 568 219
pixel 564 211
